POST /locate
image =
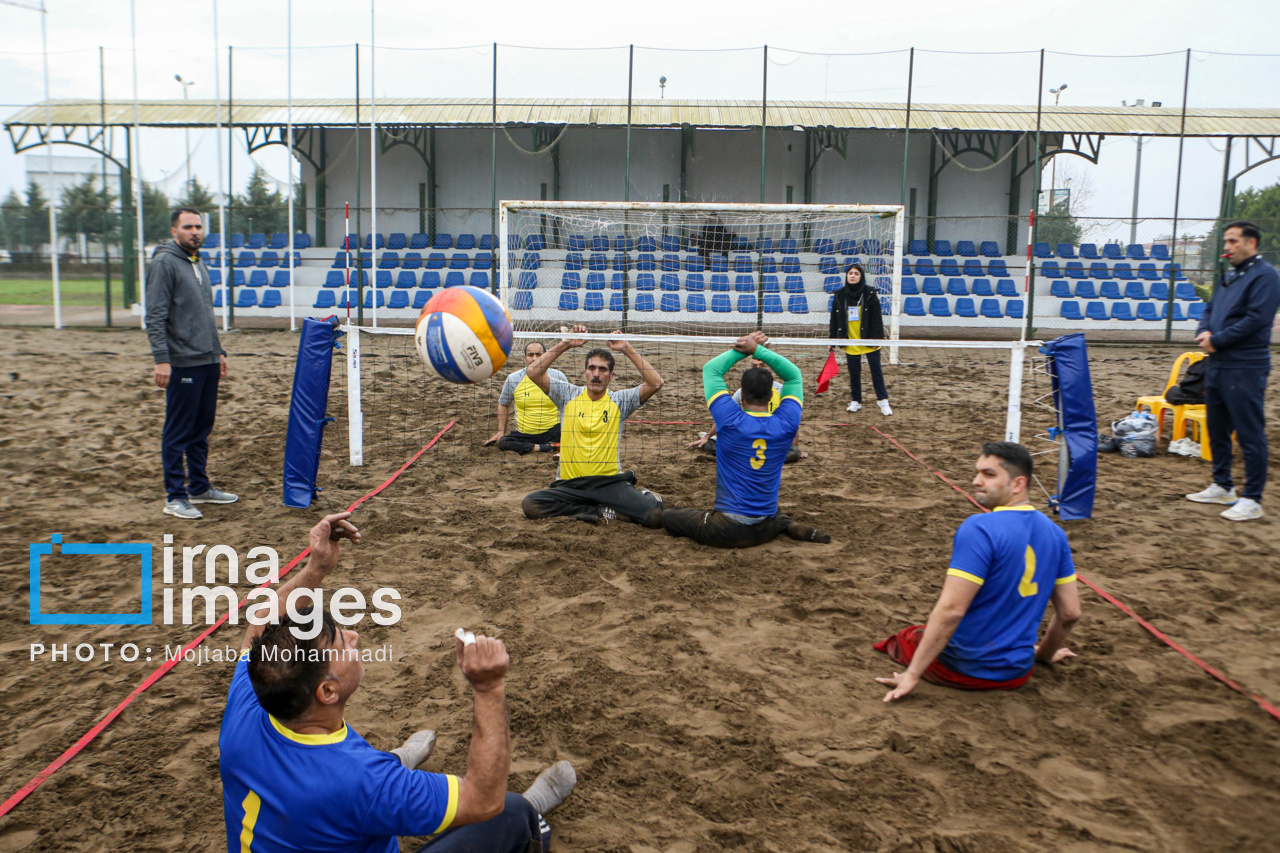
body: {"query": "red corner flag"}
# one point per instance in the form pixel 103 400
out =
pixel 830 371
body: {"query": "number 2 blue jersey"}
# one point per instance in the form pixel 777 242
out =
pixel 750 450
pixel 1017 555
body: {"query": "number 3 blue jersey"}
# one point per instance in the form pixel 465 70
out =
pixel 750 450
pixel 1017 555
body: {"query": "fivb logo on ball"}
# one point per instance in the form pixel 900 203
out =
pixel 346 605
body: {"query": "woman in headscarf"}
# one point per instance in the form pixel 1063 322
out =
pixel 855 313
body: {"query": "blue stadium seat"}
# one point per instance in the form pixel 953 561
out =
pixel 939 307
pixel 745 284
pixel 913 306
pixel 1066 251
pixel 412 261
pixel 598 261
pixel 568 301
pixel 671 243
pixel 479 279
pixel 719 263
pixel 571 281
pixel 924 268
pixel 256 241
pixel 217 297
pixel 445 241
pixel 246 259
pixel 247 299
pixel 669 302
pixel 1074 269
pixel 389 260
pixel 764 244
pixel 324 299
pixel 382 278
pixel 616 301
pixel 646 244
pixel 1195 310
pixel 768 264
pixel 1135 290
pixel 742 263
pixel 382 242
pixel 213 241
pixel 1041 250
pixel 1085 290
pixel 1135 252
pixel 797 304
pixel 1110 290
pixel 719 282
pixel 1095 310
pixel 787 245
pixel 1177 272
pixel 454 278
pixel 948 268
pixel 973 268
pixel 990 249
pixel 909 286
pixel 488 243
pixel 406 279
pixel 618 281
pixel 460 261
pixel 772 303
pixel 396 241
pixel 465 241
pixel 523 301
pixel 1148 272
pixel 483 260
pixel 1060 289
pixel 991 308
pixel 340 260
pixel 769 284
pixel 1070 310
pixel 593 301
pixel 906 267
pixel 1089 251
pixel 694 283
pixel 350 242
pixel 918 248
pixel 747 303
pixel 966 249
pixel 1185 290
pixel 573 261
pixel 1159 252
pixel 271 259
pixel 966 308
pixel 981 287
pixel 621 262
pixel 215 277
pixel 399 299
pixel 1051 269
pixel 1099 270
pixel 1159 291
pixel 577 243
pixel 595 281
pixel 956 287
pixel 422 297
pixel 695 302
pixel 693 263
pixel 848 247
pixel 1121 311
pixel 623 244
pixel 368 299
pixel 280 278
pixel 1112 252
pixel 646 261
pixel 790 264
pixel 669 282
pixel 435 261
pixel 1149 311
pixel 237 278
pixel 670 263
pixel 942 248
pixel 419 241
pixel 793 284
pixel 831 284
pixel 997 269
pixel 431 279
pixel 932 286
pixel 644 302
pixel 258 278
pixel 335 278
pixel 1178 316
pixel 1014 308
pixel 827 246
pixel 720 303
pixel 645 281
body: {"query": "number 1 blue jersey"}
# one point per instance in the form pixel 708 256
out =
pixel 750 450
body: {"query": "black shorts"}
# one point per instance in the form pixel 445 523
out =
pixel 714 528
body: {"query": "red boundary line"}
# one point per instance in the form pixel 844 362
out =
pixel 164 668
pixel 1111 599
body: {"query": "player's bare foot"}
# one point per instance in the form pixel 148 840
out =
pixel 416 749
pixel 552 787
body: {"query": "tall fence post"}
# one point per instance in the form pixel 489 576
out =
pixel 224 261
pixel 906 126
pixel 230 281
pixel 106 252
pixel 1177 197
pixel 1029 330
pixel 373 161
pixel 137 172
pixel 631 69
pixel 493 167
pixel 764 117
pixel 359 255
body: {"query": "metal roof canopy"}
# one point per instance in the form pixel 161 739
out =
pixel 478 112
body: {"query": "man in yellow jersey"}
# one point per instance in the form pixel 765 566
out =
pixel 297 778
pixel 707 440
pixel 537 418
pixel 592 486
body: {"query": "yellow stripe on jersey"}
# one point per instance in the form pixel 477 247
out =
pixel 960 573
pixel 791 397
pixel 1068 579
pixel 535 411
pixel 451 810
pixel 589 437
pixel 714 396
pixel 251 805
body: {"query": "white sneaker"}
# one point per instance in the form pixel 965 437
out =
pixel 884 407
pixel 1215 494
pixel 854 407
pixel 1244 509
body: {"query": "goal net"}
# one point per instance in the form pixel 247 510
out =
pixel 694 269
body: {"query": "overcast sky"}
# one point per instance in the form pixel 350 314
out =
pixel 178 38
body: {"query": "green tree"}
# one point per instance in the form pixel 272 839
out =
pixel 199 198
pixel 86 210
pixel 13 217
pixel 36 221
pixel 156 211
pixel 1058 226
pixel 261 208
pixel 1263 207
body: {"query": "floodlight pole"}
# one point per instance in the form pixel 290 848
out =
pixel 1177 197
pixel 289 241
pixel 48 135
pixel 137 172
pixel 373 159
pixel 223 269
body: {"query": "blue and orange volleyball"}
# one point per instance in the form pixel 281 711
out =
pixel 464 335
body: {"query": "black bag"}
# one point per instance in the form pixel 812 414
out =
pixel 1190 391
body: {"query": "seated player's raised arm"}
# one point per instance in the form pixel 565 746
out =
pixel 792 378
pixel 537 372
pixel 713 371
pixel 651 380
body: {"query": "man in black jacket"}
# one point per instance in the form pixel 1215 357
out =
pixel 189 361
pixel 1236 333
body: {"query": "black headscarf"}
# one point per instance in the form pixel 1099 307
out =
pixel 855 290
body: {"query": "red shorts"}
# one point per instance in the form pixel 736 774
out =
pixel 902 648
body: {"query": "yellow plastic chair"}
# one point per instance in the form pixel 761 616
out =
pixel 1196 416
pixel 1158 405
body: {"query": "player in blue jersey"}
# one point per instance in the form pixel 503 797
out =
pixel 751 445
pixel 296 777
pixel 1007 566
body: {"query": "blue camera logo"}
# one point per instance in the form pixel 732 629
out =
pixel 143 553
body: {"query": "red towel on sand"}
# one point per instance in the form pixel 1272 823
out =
pixel 902 648
pixel 830 371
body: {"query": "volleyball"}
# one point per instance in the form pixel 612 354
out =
pixel 463 335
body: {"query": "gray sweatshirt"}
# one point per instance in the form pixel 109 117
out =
pixel 180 321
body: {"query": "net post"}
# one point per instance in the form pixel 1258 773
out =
pixel 355 417
pixel 1013 420
pixel 895 304
pixel 503 291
